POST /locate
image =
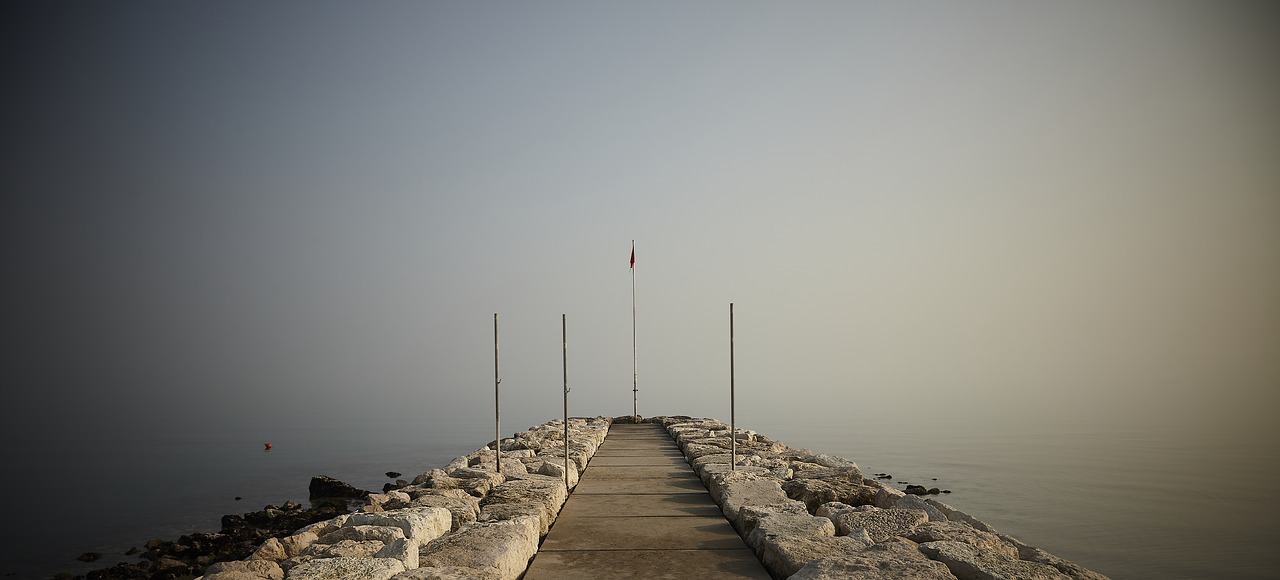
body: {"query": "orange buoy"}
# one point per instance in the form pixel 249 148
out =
pixel 268 446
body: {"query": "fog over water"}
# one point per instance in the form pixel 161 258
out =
pixel 1015 219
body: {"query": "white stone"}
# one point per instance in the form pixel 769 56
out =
pixel 880 524
pixel 887 561
pixel 971 563
pixel 959 516
pixel 243 570
pixel 332 568
pixel 421 524
pixel 403 549
pixel 912 502
pixel 503 547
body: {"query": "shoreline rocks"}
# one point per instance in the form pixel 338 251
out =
pixel 814 516
pixel 807 516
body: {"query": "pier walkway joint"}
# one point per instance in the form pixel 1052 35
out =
pixel 639 511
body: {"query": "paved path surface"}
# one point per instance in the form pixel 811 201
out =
pixel 641 512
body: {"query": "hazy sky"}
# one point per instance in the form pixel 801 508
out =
pixel 920 209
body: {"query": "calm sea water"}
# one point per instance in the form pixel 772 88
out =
pixel 1132 503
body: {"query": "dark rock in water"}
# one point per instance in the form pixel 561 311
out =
pixel 935 479
pixel 934 491
pixel 240 536
pixel 393 474
pixel 884 476
pixel 89 557
pixel 238 498
pixel 325 486
pixel 946 491
pixel 132 551
pixel 916 490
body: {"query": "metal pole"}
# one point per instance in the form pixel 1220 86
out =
pixel 733 430
pixel 634 384
pixel 497 405
pixel 564 350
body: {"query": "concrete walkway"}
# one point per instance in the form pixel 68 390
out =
pixel 640 512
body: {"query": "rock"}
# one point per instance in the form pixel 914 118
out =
pixel 969 563
pixel 916 490
pixel 934 491
pixel 769 528
pixel 736 490
pixel 954 514
pixel 344 549
pixel 363 533
pixel 244 570
pixel 785 555
pixel 1034 554
pixel 957 532
pixel 171 566
pixel 912 502
pixel 420 524
pixel 403 549
pixel 132 551
pixel 89 557
pixel 887 561
pixel 363 568
pixel 447 573
pixel 295 544
pixel 271 549
pixel 461 511
pixel 545 492
pixel 880 524
pixel 325 486
pixel 393 474
pixel 556 470
pixel 503 547
pixel 750 515
pixel 887 496
pixel 815 492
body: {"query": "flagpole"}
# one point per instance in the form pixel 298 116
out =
pixel 634 384
pixel 733 430
pixel 497 406
pixel 564 350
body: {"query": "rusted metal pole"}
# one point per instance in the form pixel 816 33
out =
pixel 733 430
pixel 497 404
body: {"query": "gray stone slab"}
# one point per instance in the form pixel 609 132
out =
pixel 636 460
pixel 639 444
pixel 638 472
pixel 643 533
pixel 650 452
pixel 638 486
pixel 738 564
pixel 631 505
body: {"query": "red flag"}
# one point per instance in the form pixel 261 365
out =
pixel 633 256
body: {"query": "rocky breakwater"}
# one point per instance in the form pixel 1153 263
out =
pixel 811 515
pixel 466 520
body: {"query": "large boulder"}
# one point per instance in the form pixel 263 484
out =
pixel 463 507
pixel 736 490
pixel 887 561
pixel 363 568
pixel 1034 554
pixel 959 516
pixel 958 532
pixel 503 548
pixel 420 524
pixel 244 570
pixel 967 562
pixel 911 502
pixel 323 486
pixel 815 492
pixel 785 555
pixel 879 524
pixel 447 573
pixel 547 493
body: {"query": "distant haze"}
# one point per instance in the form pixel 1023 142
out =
pixel 953 211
